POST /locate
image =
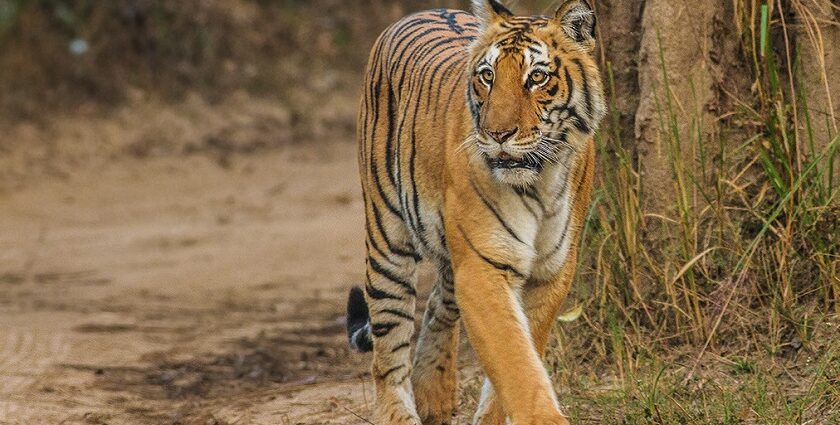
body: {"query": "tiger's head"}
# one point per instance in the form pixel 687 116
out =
pixel 534 88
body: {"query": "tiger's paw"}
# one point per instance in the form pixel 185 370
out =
pixel 436 399
pixel 546 420
pixel 396 416
pixel 395 406
pixel 444 418
pixel 436 415
pixel 490 419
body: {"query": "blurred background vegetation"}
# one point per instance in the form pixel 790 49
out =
pixel 58 53
pixel 710 274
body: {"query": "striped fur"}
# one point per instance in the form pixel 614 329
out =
pixel 476 154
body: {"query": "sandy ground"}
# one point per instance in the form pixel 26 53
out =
pixel 175 290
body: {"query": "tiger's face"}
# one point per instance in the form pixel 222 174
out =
pixel 534 88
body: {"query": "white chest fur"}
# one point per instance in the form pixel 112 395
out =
pixel 549 232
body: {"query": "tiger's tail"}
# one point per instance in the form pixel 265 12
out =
pixel 358 321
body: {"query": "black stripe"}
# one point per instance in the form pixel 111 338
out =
pixel 443 79
pixel 587 95
pixel 382 271
pixel 400 347
pixel 451 306
pixel 389 136
pixel 421 54
pixel 497 265
pixel 398 35
pixel 383 329
pixel 375 176
pixel 442 234
pixel 390 371
pixel 449 285
pixel 412 165
pixel 398 313
pixel 378 294
pixel 581 124
pixel 373 167
pixel 496 213
pixel 371 241
pixel 457 81
pixel 560 243
pixel 500 9
pixel 375 70
pixel 416 37
pixel 570 85
pixel 445 320
pixel 475 107
pixel 527 193
pixel 377 216
pixel 413 60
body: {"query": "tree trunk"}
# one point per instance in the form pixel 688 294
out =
pixel 701 46
pixel 818 35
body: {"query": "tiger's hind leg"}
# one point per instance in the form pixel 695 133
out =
pixel 435 376
pixel 390 298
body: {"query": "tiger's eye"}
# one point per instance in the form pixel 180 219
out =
pixel 487 75
pixel 538 77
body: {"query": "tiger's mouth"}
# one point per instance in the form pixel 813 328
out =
pixel 507 162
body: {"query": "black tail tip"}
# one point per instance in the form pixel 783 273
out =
pixel 357 309
pixel 358 321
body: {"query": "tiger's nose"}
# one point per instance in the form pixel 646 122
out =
pixel 502 135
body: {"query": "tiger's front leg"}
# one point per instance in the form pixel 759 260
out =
pixel 486 288
pixel 541 302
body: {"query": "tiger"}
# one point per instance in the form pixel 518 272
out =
pixel 476 137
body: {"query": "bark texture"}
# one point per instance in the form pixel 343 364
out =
pixel 620 35
pixel 697 45
pixel 818 36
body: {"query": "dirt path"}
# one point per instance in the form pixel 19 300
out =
pixel 174 290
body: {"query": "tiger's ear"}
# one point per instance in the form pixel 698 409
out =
pixel 490 11
pixel 577 19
